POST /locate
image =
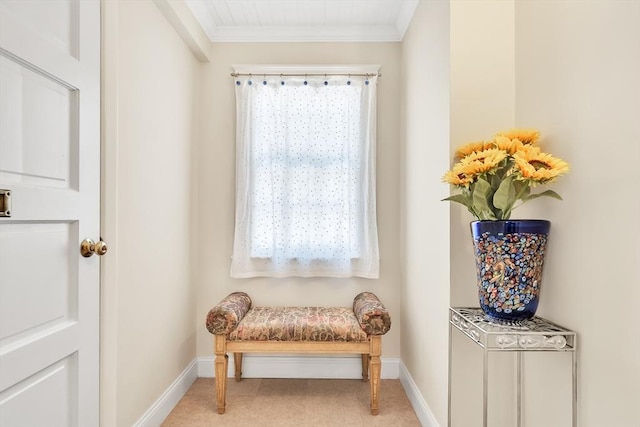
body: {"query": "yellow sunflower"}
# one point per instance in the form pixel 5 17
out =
pixel 457 177
pixel 508 145
pixel 529 150
pixel 526 136
pixel 538 166
pixel 469 148
pixel 482 161
pixel 468 169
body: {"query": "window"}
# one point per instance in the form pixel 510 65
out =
pixel 305 183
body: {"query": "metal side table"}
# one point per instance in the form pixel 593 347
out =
pixel 535 334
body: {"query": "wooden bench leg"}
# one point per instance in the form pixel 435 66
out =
pixel 237 362
pixel 221 364
pixel 375 368
pixel 365 367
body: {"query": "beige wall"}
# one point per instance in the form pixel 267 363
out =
pixel 569 69
pixel 482 103
pixel 566 68
pixel 577 79
pixel 425 63
pixel 217 184
pixel 149 296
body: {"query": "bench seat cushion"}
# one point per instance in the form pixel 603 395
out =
pixel 299 324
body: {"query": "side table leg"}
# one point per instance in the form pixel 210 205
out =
pixel 485 385
pixel 449 379
pixel 519 386
pixel 574 388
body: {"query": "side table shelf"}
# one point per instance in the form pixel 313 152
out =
pixel 536 334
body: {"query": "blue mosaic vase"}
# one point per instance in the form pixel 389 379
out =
pixel 509 256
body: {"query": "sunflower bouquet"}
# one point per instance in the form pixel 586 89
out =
pixel 494 177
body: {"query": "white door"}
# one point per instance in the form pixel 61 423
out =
pixel 49 161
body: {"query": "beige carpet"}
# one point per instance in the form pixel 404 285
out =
pixel 293 402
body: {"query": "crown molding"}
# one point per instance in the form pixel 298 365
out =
pixel 302 34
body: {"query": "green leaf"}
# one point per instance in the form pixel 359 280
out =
pixel 505 196
pixel 496 180
pixel 504 169
pixel 547 193
pixel 459 198
pixel 481 196
pixel 486 215
pixel 522 188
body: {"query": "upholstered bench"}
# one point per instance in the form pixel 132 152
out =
pixel 240 328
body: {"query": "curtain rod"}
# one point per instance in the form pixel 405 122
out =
pixel 306 74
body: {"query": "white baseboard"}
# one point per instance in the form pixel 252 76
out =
pixel 254 366
pixel 425 416
pixel 161 408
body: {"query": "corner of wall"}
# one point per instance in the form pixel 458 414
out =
pixel 185 24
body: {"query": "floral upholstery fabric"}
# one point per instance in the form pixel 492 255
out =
pixel 299 324
pixel 371 314
pixel 225 316
pixel 235 317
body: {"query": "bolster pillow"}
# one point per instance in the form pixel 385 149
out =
pixel 225 316
pixel 371 314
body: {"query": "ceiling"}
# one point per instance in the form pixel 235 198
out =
pixel 303 20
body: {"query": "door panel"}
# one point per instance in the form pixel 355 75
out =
pixel 30 356
pixel 56 22
pixel 42 296
pixel 55 381
pixel 50 160
pixel 39 117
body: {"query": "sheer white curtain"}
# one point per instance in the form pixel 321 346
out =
pixel 305 177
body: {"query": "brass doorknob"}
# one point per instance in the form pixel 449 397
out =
pixel 88 248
